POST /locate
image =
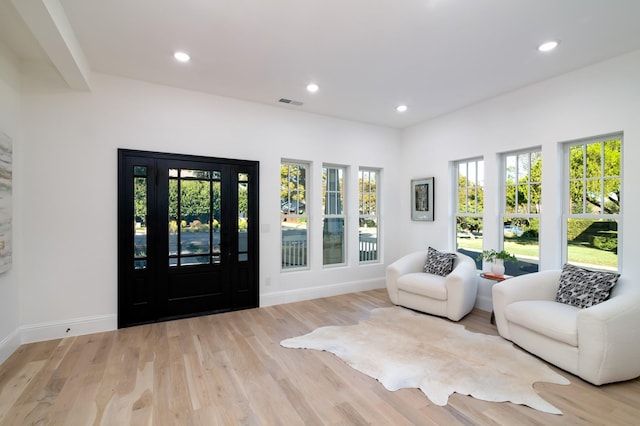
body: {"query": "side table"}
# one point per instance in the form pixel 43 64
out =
pixel 496 279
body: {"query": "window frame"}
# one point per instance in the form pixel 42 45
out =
pixel 342 199
pixel 296 215
pixel 528 215
pixel 479 165
pixel 566 194
pixel 364 217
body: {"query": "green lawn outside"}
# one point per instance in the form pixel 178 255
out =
pixel 578 252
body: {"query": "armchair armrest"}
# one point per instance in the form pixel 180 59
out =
pixel 412 262
pixel 609 338
pixel 462 289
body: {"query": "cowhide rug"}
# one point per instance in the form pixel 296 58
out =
pixel 404 349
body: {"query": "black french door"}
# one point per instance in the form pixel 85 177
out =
pixel 187 236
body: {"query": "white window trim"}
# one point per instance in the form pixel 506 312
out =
pixel 566 214
pixel 378 173
pixel 455 175
pixel 502 213
pixel 306 215
pixel 343 215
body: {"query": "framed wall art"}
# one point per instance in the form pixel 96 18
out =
pixel 422 199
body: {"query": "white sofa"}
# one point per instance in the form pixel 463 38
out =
pixel 600 344
pixel 452 296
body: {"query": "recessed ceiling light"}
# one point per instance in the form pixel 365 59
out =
pixel 312 87
pixel 181 56
pixel 401 108
pixel 548 46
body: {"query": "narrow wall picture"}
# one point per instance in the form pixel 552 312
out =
pixel 422 199
pixel 6 178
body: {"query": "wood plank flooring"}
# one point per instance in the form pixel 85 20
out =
pixel 229 369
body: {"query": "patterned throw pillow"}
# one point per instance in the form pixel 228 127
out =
pixel 439 263
pixel 584 288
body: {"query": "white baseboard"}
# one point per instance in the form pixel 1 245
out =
pixel 9 344
pixel 101 323
pixel 65 328
pixel 298 295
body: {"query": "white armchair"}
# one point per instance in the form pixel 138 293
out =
pixel 600 344
pixel 452 296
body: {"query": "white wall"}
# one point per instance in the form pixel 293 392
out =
pixel 65 184
pixel 600 99
pixel 70 195
pixel 10 125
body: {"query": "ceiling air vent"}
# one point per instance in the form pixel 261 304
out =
pixel 289 101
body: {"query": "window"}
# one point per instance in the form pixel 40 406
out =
pixel 293 215
pixel 470 207
pixel 593 194
pixel 521 210
pixel 368 214
pixel 333 219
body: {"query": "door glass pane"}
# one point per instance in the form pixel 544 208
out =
pixel 173 218
pixel 195 202
pixel 140 217
pixel 243 216
pixel 199 174
pixel 194 217
pixel 216 224
pixel 194 260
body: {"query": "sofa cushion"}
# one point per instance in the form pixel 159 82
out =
pixel 584 288
pixel 555 320
pixel 429 285
pixel 439 263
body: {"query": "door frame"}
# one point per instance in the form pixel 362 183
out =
pixel 125 232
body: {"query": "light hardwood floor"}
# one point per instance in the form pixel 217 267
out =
pixel 230 369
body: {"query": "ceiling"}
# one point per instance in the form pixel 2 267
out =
pixel 367 56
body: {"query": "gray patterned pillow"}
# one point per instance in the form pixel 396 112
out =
pixel 439 263
pixel 584 288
